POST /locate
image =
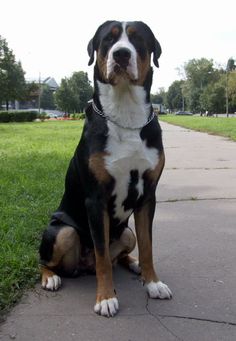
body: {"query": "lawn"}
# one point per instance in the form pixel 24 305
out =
pixel 33 158
pixel 223 126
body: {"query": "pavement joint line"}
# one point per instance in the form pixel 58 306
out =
pixel 197 319
pixel 199 168
pixel 161 323
pixel 191 199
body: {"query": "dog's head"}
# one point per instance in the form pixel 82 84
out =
pixel 124 51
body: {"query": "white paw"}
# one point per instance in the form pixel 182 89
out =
pixel 52 283
pixel 134 266
pixel 158 290
pixel 107 308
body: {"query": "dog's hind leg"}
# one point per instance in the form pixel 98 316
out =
pixel 121 248
pixel 59 253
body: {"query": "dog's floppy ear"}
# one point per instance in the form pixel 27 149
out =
pixel 93 45
pixel 156 52
pixel 91 51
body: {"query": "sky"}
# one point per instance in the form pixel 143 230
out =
pixel 50 37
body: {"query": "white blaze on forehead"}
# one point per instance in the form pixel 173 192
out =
pixel 123 42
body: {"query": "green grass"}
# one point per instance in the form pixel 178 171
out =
pixel 223 126
pixel 33 162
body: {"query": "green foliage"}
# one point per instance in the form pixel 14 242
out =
pixel 174 96
pixel 230 65
pixel 34 158
pixel 17 116
pixel 204 87
pixel 47 98
pixel 159 97
pixel 80 116
pixel 12 81
pixel 213 97
pixel 74 93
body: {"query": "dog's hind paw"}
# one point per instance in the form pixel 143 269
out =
pixel 134 266
pixel 51 283
pixel 108 307
pixel 158 290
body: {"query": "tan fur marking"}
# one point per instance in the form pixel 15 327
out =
pixel 67 239
pixel 105 287
pixel 115 31
pixel 131 30
pixel 97 166
pixel 123 246
pixel 144 245
pixel 143 68
pixel 102 65
pixel 46 273
pixel 156 172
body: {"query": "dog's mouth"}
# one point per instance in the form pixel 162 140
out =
pixel 121 72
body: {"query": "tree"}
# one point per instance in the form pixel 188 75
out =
pixel 213 97
pixel 47 98
pixel 64 97
pixel 159 97
pixel 230 65
pixel 81 88
pixel 232 91
pixel 74 92
pixel 12 80
pixel 174 96
pixel 199 74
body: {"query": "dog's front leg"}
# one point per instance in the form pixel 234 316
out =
pixel 106 301
pixel 143 225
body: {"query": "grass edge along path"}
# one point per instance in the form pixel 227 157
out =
pixel 33 161
pixel 222 126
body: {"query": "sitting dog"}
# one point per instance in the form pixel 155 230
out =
pixel 113 173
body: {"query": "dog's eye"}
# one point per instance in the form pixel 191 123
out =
pixel 110 38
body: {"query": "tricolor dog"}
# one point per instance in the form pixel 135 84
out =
pixel 113 173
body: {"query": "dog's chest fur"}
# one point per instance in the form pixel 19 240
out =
pixel 127 160
pixel 127 155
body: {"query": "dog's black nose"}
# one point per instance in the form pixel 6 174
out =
pixel 122 56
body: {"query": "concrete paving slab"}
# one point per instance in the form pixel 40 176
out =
pixel 194 240
pixel 195 255
pixel 187 149
pixel 197 184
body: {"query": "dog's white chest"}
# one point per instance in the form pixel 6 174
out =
pixel 127 152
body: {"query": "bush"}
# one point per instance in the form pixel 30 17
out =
pixel 17 116
pixel 80 116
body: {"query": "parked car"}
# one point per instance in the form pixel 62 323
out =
pixel 183 113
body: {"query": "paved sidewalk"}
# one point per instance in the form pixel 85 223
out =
pixel 195 245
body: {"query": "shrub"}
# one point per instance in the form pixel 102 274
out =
pixel 80 116
pixel 17 116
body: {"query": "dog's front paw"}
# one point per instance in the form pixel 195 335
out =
pixel 51 282
pixel 107 307
pixel 158 290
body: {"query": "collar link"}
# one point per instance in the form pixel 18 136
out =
pixel 107 118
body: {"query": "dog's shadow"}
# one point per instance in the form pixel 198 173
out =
pixel 79 294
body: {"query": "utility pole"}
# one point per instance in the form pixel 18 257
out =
pixel 39 99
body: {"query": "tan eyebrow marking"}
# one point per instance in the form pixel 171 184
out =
pixel 115 31
pixel 131 30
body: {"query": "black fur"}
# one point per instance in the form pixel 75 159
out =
pixel 85 198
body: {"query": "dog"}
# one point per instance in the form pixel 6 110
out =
pixel 113 173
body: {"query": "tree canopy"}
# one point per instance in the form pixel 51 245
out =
pixel 74 93
pixel 204 87
pixel 12 80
